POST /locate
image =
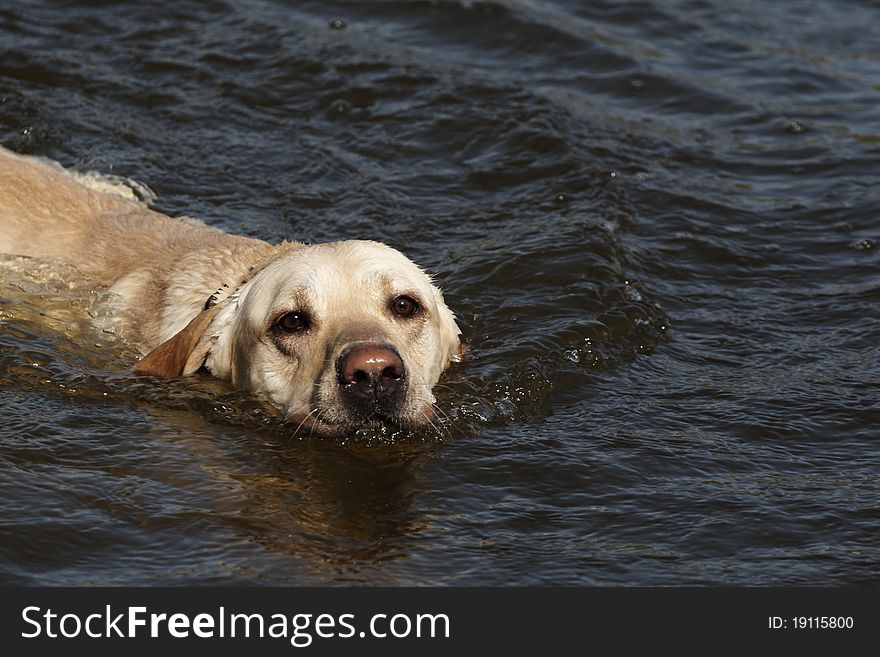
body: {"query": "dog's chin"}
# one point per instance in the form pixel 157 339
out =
pixel 309 425
pixel 312 424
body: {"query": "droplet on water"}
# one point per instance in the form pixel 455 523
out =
pixel 631 293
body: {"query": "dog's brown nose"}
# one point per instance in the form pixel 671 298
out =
pixel 371 371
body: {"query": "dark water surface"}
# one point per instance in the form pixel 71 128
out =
pixel 658 222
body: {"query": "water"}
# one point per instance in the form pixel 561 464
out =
pixel 658 222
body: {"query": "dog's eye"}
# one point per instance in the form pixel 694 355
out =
pixel 404 306
pixel 295 322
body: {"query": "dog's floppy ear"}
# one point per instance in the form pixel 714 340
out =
pixel 452 348
pixel 183 354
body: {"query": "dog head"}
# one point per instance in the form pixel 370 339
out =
pixel 337 336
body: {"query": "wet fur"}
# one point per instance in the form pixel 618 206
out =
pixel 163 271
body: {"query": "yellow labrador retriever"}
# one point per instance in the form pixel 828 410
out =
pixel 335 335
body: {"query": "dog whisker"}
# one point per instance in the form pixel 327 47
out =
pixel 308 415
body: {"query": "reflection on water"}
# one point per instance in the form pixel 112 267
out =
pixel 313 499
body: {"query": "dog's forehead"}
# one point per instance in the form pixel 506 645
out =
pixel 345 267
pixel 357 251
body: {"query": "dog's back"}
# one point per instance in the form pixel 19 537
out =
pixel 44 211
